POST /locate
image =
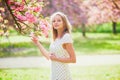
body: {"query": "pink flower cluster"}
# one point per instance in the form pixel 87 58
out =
pixel 36 9
pixel 28 13
pixel 23 12
pixel 44 26
pixel 30 17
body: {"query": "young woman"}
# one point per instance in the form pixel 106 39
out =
pixel 61 48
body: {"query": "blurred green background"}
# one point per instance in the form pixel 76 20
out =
pixel 99 40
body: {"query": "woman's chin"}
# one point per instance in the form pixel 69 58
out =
pixel 56 28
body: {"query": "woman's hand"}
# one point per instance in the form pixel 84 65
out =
pixel 34 39
pixel 53 57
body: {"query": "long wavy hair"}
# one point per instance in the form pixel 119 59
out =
pixel 66 24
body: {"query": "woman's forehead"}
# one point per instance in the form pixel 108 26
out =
pixel 57 17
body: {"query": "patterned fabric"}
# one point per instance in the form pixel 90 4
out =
pixel 59 70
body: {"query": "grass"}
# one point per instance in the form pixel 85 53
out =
pixel 20 46
pixel 94 43
pixel 96 72
pixel 25 74
pixel 107 72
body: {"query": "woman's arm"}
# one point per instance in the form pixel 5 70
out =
pixel 69 48
pixel 41 48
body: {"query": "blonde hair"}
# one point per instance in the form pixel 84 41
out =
pixel 67 25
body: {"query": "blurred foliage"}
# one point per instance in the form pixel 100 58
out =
pixel 98 28
pixel 20 49
pixel 94 43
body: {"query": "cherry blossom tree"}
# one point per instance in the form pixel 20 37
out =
pixel 104 11
pixel 25 15
pixel 28 14
pixel 5 19
pixel 86 12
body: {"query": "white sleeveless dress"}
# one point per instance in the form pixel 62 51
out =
pixel 59 70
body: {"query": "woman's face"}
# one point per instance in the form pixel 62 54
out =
pixel 57 22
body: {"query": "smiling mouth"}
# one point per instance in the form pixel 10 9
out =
pixel 56 25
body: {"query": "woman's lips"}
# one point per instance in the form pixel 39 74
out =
pixel 56 25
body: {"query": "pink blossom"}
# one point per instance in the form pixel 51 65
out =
pixel 13 7
pixel 31 34
pixel 23 1
pixel 31 8
pixel 23 18
pixel 30 17
pixel 38 9
pixel 17 6
pixel 17 3
pixel 44 30
pixel 21 8
pixel 10 1
pixel 40 0
pixel 44 26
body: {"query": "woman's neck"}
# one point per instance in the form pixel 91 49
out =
pixel 60 33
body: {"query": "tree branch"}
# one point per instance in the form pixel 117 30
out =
pixel 115 4
pixel 9 9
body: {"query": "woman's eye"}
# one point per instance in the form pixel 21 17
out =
pixel 56 21
pixel 59 20
pixel 53 21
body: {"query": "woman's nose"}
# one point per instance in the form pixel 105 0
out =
pixel 56 23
